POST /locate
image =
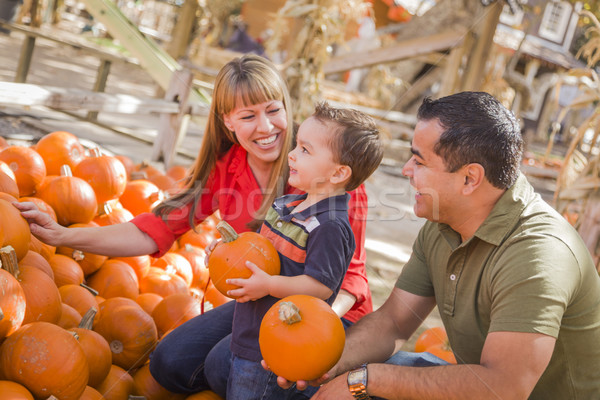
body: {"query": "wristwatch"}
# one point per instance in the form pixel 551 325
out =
pixel 357 383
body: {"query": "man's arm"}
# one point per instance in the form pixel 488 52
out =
pixel 511 364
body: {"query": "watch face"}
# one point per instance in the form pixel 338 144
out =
pixel 358 376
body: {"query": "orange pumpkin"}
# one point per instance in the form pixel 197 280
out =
pixel 72 199
pixel 174 310
pixel 435 341
pixel 42 298
pixel 69 318
pixel 89 262
pixel 127 163
pixel 175 263
pixel 304 329
pixel 140 264
pixel 115 278
pixel 91 394
pixel 54 374
pixel 199 238
pixel 162 283
pixel 128 329
pixel 105 174
pixel 28 167
pixel 145 385
pixel 204 395
pixel 10 390
pixel 148 301
pixel 14 229
pixel 141 196
pixel 80 297
pixel 60 148
pixel 195 257
pixel 12 304
pixel 95 347
pixel 8 184
pixel 214 297
pixel 109 215
pixel 177 173
pixel 118 384
pixel 66 270
pixel 37 246
pixel 40 204
pixel 38 261
pixel 228 259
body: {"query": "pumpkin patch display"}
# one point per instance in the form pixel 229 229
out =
pixel 59 148
pixel 228 258
pixel 72 199
pixel 62 371
pixel 14 229
pixel 105 174
pixel 27 165
pixel 301 338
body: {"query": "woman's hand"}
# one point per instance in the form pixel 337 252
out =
pixel 42 226
pixel 255 287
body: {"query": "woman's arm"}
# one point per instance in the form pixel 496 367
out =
pixel 120 240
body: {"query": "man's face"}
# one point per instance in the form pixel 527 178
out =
pixel 438 190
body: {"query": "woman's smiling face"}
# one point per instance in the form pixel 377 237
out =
pixel 259 129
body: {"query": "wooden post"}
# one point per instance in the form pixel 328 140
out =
pixel 25 59
pixel 100 84
pixel 183 29
pixel 172 127
pixel 484 33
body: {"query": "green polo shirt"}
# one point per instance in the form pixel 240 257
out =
pixel 525 270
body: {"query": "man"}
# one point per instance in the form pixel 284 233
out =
pixel 515 286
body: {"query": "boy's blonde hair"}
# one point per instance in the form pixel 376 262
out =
pixel 243 81
pixel 356 143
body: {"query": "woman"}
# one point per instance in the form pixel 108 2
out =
pixel 241 168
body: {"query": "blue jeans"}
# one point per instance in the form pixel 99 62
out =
pixel 409 359
pixel 222 378
pixel 177 363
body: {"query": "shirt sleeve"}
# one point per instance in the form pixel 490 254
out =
pixel 355 282
pixel 328 252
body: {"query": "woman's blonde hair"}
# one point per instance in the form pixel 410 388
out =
pixel 243 81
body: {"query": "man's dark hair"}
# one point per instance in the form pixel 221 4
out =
pixel 477 129
pixel 356 142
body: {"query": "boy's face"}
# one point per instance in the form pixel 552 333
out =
pixel 312 163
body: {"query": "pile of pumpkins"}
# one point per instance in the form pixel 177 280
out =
pixel 76 325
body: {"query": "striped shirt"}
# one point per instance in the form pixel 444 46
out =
pixel 317 242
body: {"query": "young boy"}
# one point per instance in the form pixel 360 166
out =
pixel 336 151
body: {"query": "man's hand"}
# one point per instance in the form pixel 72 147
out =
pixel 255 287
pixel 336 389
pixel 300 385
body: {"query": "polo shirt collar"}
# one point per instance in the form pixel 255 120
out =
pixel 504 214
pixel 284 206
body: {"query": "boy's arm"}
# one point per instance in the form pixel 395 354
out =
pixel 261 284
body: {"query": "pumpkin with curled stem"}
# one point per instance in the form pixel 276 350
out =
pixel 301 338
pixel 228 259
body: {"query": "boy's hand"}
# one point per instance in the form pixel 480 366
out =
pixel 255 287
pixel 208 250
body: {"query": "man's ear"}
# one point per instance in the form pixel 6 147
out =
pixel 342 174
pixel 473 174
pixel 227 122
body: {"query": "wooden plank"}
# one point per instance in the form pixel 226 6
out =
pixel 406 49
pixel 24 94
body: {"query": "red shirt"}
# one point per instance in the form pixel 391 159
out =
pixel 233 190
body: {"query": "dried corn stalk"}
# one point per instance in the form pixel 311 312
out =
pixel 324 25
pixel 579 179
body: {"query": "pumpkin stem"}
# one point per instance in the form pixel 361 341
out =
pixel 65 170
pixel 89 289
pixel 106 209
pixel 88 319
pixel 95 152
pixel 289 313
pixel 1 314
pixel 8 259
pixel 228 234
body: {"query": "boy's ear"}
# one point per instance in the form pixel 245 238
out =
pixel 341 175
